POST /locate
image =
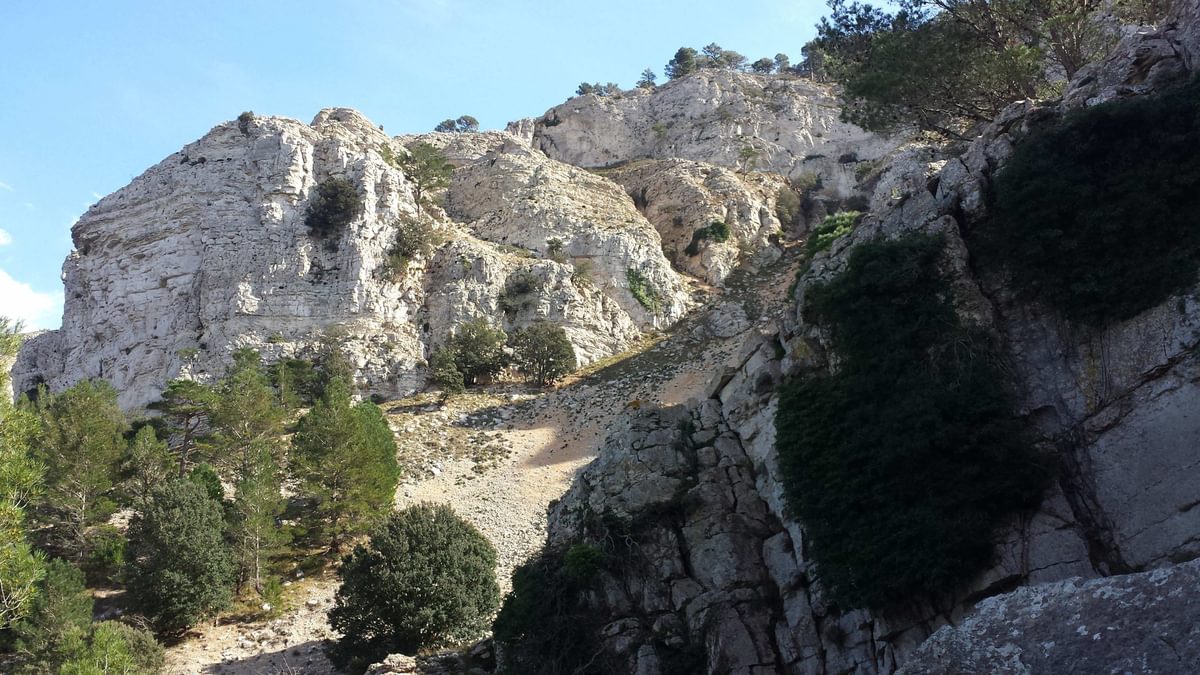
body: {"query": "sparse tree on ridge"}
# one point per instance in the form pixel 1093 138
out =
pixel 647 79
pixel 763 65
pixel 684 62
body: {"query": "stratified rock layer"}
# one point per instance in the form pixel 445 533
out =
pixel 717 561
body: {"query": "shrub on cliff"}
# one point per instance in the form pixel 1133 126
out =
pixel 478 350
pixel 334 205
pixel 903 462
pixel 426 579
pixel 1096 215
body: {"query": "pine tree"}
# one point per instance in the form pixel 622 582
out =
pixel 147 464
pixel 345 457
pixel 83 442
pixel 180 567
pixel 247 427
pixel 21 482
pixel 543 352
pixel 58 623
pixel 185 406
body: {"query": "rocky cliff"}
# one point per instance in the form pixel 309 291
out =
pixel 207 252
pixel 716 568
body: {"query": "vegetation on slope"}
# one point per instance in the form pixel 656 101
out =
pixel 902 463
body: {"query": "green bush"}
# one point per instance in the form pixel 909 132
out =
pixel 545 625
pixel 643 291
pixel 334 205
pixel 902 463
pixel 414 238
pixel 115 647
pixel 518 288
pixel 716 231
pixel 106 554
pixel 444 372
pixel 180 567
pixel 426 579
pixel 788 207
pixel 478 350
pixel 297 383
pixel 543 352
pixel 57 626
pixel 830 230
pixel 1096 215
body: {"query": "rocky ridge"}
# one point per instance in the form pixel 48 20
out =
pixel 720 567
pixel 207 252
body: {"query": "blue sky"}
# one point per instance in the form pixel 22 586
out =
pixel 94 93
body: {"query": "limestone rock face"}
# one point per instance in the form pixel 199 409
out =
pixel 208 252
pixel 682 197
pixel 1137 623
pixel 722 565
pixel 523 199
pixel 769 123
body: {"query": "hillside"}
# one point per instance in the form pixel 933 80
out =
pixel 846 402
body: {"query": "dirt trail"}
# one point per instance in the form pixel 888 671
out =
pixel 500 456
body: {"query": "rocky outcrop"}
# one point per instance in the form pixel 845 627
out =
pixel 542 207
pixel 721 564
pixel 208 252
pixel 775 123
pixel 1137 623
pixel 683 198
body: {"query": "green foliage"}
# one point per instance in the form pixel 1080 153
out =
pixel 427 168
pixel 426 579
pixel 1095 215
pixel 115 647
pixel 830 230
pixel 334 206
pixel 543 352
pixel 647 79
pixel 904 462
pixel 683 63
pixel 247 430
pixel 716 231
pixel 345 457
pixel 106 554
pixel 518 288
pixel 945 65
pixel 763 65
pixel 185 407
pixel 243 122
pixel 82 443
pixel 414 238
pixel 205 476
pixel 463 124
pixel 643 290
pixel 21 484
pixel 297 383
pixel 554 250
pixel 545 624
pixel 180 570
pixel 788 208
pixel 478 350
pixel 444 373
pixel 58 623
pixel 598 89
pixel 147 463
pixel 583 561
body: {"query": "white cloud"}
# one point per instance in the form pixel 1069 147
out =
pixel 35 310
pixel 98 196
pixel 5 237
pixel 5 186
